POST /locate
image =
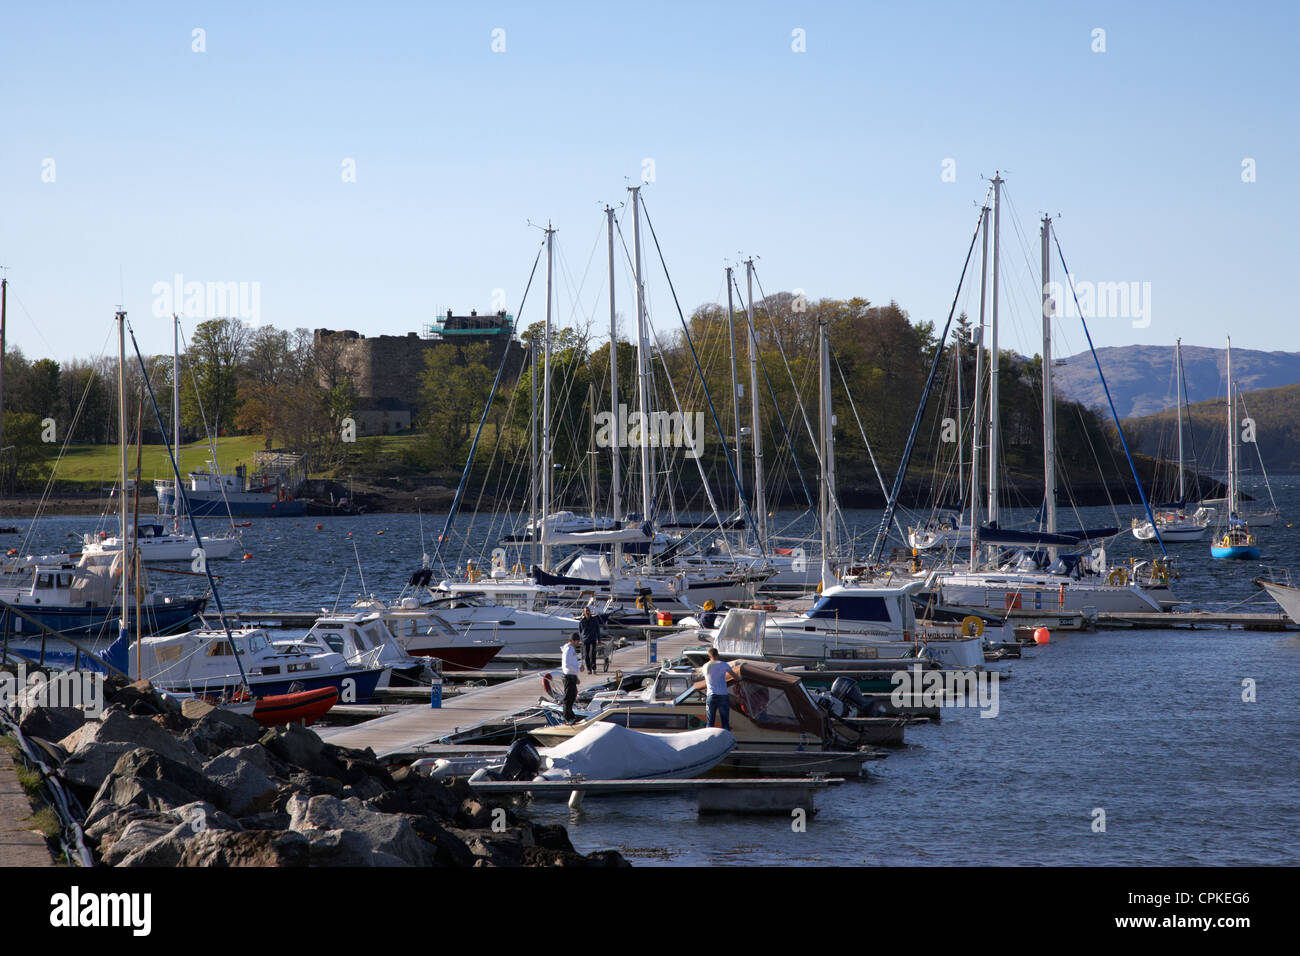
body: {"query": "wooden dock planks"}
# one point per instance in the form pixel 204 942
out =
pixel 419 725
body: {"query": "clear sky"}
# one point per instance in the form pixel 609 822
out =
pixel 228 165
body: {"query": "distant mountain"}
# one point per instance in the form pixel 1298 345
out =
pixel 1141 377
pixel 1276 413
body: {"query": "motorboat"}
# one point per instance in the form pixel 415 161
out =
pixel 156 543
pixel 602 751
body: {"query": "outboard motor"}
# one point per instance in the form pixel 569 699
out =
pixel 522 761
pixel 845 689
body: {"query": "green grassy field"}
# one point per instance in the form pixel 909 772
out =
pixel 102 463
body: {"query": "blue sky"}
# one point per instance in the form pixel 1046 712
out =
pixel 226 165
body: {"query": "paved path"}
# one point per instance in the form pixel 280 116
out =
pixel 19 845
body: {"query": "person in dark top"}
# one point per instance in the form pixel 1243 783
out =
pixel 589 628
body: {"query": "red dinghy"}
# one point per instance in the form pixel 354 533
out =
pixel 304 707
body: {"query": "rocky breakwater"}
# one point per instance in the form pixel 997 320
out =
pixel 171 784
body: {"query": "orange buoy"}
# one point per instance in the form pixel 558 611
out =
pixel 319 526
pixel 248 556
pixel 1042 635
pixel 378 532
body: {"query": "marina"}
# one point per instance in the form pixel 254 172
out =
pixel 746 440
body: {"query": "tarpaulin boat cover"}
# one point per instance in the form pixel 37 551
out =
pixel 606 751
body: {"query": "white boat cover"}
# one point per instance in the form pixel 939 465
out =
pixel 607 751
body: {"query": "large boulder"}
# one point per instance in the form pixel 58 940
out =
pixel 145 779
pixel 51 723
pixel 217 731
pixel 247 848
pixel 120 727
pixel 350 833
pixel 245 786
pixel 88 767
pixel 301 747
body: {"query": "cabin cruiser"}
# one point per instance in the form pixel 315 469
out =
pixel 364 640
pixel 466 624
pixel 591 573
pixel 770 710
pixel 943 530
pixel 1031 584
pixel 156 543
pixel 1176 526
pixel 846 622
pixel 204 662
pixel 83 597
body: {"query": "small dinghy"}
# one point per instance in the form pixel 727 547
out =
pixel 304 707
pixel 603 751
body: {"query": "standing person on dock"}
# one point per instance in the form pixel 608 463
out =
pixel 716 702
pixel 589 628
pixel 571 666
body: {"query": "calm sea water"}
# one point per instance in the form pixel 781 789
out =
pixel 1147 726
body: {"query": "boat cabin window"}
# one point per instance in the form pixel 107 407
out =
pixel 653 721
pixel 220 649
pixel 257 642
pixel 65 580
pixel 671 687
pixel 764 705
pixel 44 580
pixel 374 635
pixel 334 641
pixel 843 608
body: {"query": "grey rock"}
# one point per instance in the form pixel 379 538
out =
pixel 217 731
pixel 89 765
pixel 120 727
pixel 51 723
pixel 365 833
pixel 246 787
pixel 248 848
pixel 135 836
pixel 301 747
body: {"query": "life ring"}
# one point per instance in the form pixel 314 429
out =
pixel 1118 577
pixel 972 626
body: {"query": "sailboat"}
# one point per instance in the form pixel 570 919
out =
pixel 1048 574
pixel 1233 540
pixel 1174 523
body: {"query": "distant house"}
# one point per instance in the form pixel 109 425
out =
pixel 381 416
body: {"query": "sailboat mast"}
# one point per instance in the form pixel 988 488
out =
pixel 546 404
pixel 1178 394
pixel 615 453
pixel 176 412
pixel 643 390
pixel 827 450
pixel 994 358
pixel 735 389
pixel 4 310
pixel 532 483
pixel 760 494
pixel 1049 405
pixel 1232 444
pixel 123 555
pixel 977 411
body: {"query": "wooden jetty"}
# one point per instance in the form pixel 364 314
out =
pixel 1167 620
pixel 417 726
pixel 737 795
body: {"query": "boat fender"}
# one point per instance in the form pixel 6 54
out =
pixel 972 625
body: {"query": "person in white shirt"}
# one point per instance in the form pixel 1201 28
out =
pixel 716 701
pixel 571 666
